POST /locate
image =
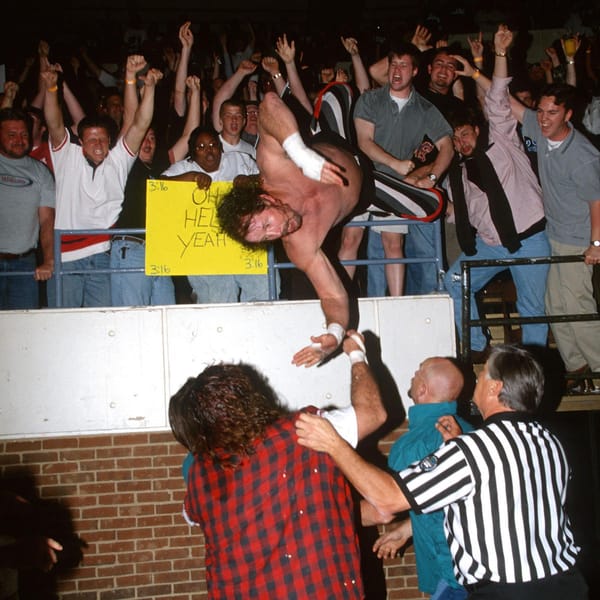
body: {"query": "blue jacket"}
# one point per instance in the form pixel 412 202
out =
pixel 432 554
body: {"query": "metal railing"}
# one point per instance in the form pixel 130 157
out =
pixel 467 322
pixel 437 259
pixel 59 272
pixel 273 265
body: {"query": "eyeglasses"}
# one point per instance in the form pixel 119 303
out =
pixel 204 146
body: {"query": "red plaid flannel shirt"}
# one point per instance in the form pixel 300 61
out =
pixel 280 525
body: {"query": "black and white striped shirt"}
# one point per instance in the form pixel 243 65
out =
pixel 503 489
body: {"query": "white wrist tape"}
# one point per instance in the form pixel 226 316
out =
pixel 337 331
pixel 308 160
pixel 357 356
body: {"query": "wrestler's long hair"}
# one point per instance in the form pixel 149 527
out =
pixel 223 412
pixel 237 207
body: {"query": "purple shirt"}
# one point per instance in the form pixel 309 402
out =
pixel 512 166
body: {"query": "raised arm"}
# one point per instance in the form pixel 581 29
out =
pixel 287 53
pixel 227 66
pixel 11 89
pixel 52 109
pixel 227 90
pixel 143 115
pixel 186 37
pixel 104 77
pixel 498 101
pixel 271 65
pixel 179 149
pixel 365 395
pixel 134 64
pixel 502 40
pixel 44 64
pixel 27 66
pixel 421 38
pixel 468 70
pixel 361 77
pixel 73 106
pixel 477 48
pixel 570 50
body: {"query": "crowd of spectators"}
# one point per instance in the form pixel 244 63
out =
pixel 246 59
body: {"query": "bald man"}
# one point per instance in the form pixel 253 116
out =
pixel 434 389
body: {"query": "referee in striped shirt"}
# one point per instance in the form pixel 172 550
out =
pixel 502 488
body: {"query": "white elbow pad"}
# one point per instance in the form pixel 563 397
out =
pixel 308 160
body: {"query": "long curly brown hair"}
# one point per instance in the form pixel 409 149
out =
pixel 222 412
pixel 237 207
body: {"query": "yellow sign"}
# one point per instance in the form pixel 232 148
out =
pixel 183 236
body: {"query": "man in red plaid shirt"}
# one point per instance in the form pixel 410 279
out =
pixel 278 520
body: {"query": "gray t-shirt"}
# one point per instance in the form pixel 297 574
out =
pixel 26 184
pixel 570 178
pixel 400 132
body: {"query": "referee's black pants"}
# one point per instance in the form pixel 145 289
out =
pixel 569 585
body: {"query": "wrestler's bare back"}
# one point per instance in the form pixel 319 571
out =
pixel 321 205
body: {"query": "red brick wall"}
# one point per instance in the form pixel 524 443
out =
pixel 125 495
pixel 400 573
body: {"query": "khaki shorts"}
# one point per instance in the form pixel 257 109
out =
pixel 373 213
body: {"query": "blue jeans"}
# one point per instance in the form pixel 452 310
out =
pixel 376 281
pixel 421 278
pixel 214 289
pixel 18 292
pixel 529 280
pixel 136 289
pixel 85 289
pixel 444 591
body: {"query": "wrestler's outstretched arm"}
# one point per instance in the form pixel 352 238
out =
pixel 278 128
pixel 334 303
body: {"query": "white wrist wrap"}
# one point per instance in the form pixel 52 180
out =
pixel 308 160
pixel 337 331
pixel 357 356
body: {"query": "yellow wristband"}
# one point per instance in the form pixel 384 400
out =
pixel 130 81
pixel 478 59
pixel 53 89
pixel 476 74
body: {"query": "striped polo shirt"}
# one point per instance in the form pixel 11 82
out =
pixel 503 489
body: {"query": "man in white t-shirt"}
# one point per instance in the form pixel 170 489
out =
pixel 90 185
pixel 232 116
